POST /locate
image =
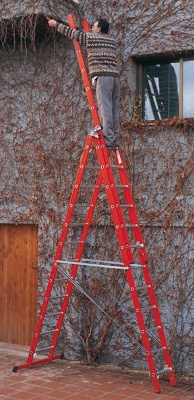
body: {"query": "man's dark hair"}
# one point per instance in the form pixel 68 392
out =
pixel 104 25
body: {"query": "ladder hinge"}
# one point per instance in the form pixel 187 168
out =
pixel 93 132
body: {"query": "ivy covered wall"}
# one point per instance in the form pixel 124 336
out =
pixel 44 124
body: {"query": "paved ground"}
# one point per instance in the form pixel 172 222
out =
pixel 70 380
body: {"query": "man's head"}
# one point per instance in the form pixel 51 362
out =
pixel 100 26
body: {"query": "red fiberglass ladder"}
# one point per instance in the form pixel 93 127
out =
pixel 119 212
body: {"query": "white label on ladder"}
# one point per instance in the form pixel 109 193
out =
pixel 118 156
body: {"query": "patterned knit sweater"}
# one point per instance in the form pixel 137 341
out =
pixel 101 50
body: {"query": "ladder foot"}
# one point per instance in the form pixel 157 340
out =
pixel 173 381
pixel 15 368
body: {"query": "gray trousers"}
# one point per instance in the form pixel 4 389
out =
pixel 108 101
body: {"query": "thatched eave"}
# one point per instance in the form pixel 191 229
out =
pixel 24 22
pixel 28 30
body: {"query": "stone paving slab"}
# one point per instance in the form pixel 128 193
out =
pixel 71 380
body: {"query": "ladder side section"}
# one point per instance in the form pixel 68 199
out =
pixel 142 255
pixel 58 254
pixel 75 266
pixel 144 260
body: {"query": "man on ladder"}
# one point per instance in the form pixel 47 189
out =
pixel 151 344
pixel 104 72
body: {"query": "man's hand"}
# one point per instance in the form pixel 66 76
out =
pixel 52 23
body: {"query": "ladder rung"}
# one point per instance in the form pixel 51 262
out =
pixel 117 166
pixel 80 242
pixel 47 332
pixel 155 351
pixel 131 225
pixel 43 349
pixel 56 297
pixel 94 264
pixel 127 205
pixel 82 205
pixel 148 308
pixel 90 186
pixel 103 261
pixel 137 246
pixel 60 279
pixel 154 329
pixel 137 266
pixel 92 167
pixel 79 223
pixel 54 314
pixel 143 287
pixel 167 369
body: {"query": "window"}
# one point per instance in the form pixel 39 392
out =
pixel 168 90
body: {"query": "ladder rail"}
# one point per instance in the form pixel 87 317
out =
pixel 73 198
pixel 143 259
pixel 132 213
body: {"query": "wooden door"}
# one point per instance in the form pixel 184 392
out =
pixel 18 282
